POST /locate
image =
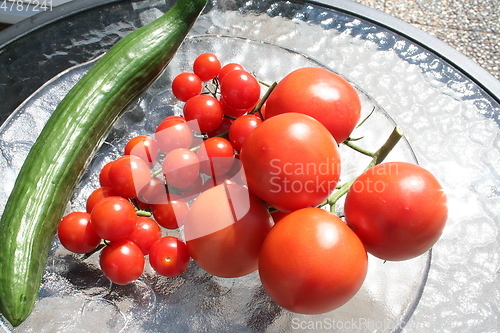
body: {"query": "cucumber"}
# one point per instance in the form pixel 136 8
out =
pixel 66 145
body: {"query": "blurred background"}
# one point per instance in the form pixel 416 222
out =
pixel 470 26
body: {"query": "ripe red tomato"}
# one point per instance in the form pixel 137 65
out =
pixel 181 167
pixel 144 147
pixel 171 214
pixel 241 129
pixel 240 89
pixel 225 228
pixel 397 209
pixel 206 66
pixel 76 233
pixel 173 132
pixel 97 195
pixel 128 175
pixel 146 232
pixel 291 161
pixel 122 262
pixel 320 94
pixel 311 262
pixel 216 156
pixel 113 218
pixel 205 110
pixel 104 175
pixel 186 85
pixel 228 68
pixel 169 256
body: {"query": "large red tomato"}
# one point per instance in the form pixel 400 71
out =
pixel 320 94
pixel 225 228
pixel 311 262
pixel 291 161
pixel 397 209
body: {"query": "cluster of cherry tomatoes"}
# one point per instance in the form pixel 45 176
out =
pixel 245 176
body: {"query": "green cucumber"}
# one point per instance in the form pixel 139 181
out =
pixel 67 143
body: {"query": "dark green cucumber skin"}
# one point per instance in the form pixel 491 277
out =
pixel 68 142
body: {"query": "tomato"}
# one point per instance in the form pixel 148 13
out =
pixel 181 168
pixel 113 218
pixel 128 175
pixel 186 85
pixel 216 156
pixel 320 94
pixel 122 262
pixel 173 132
pixel 97 195
pixel 153 193
pixel 241 129
pixel 224 230
pixel 205 110
pixel 397 209
pixel 146 232
pixel 311 262
pixel 206 66
pixel 104 175
pixel 228 68
pixel 171 214
pixel 76 233
pixel 291 161
pixel 240 89
pixel 144 147
pixel 169 256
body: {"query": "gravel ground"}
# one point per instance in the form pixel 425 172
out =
pixel 470 26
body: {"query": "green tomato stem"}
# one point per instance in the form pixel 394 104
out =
pixel 358 148
pixel 263 99
pixel 377 158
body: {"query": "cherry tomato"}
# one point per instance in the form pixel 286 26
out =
pixel 397 209
pixel 241 129
pixel 291 161
pixel 76 233
pixel 240 89
pixel 146 232
pixel 186 85
pixel 311 262
pixel 320 94
pixel 216 156
pixel 206 110
pixel 154 193
pixel 128 175
pixel 113 218
pixel 169 256
pixel 181 168
pixel 173 132
pixel 228 68
pixel 144 147
pixel 97 195
pixel 122 262
pixel 225 228
pixel 206 66
pixel 172 214
pixel 104 175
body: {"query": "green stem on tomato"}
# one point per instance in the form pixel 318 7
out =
pixel 358 148
pixel 144 213
pixel 377 158
pixel 366 118
pixel 263 99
